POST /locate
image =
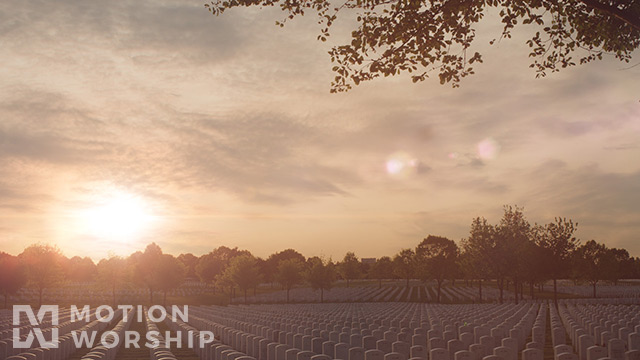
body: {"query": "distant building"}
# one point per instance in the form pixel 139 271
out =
pixel 368 260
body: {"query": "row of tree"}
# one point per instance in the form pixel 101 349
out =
pixel 511 252
pixel 44 267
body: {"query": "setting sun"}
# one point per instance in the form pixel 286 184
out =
pixel 120 217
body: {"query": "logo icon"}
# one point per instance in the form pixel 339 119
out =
pixel 37 327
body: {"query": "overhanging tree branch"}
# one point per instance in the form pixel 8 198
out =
pixel 622 15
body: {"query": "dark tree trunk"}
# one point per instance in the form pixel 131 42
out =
pixel 522 290
pixel 555 292
pixel 531 290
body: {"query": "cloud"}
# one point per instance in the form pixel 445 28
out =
pixel 164 100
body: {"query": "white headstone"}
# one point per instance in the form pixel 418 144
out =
pixel 532 354
pixel 596 352
pixel 616 349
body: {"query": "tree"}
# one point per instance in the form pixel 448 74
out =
pixel 404 265
pixel 147 268
pixel 270 269
pixel 558 243
pixel 190 262
pixel 436 257
pixel 418 37
pixel 243 272
pixel 619 265
pixel 43 264
pixel 211 265
pixel 171 274
pixel 13 276
pixel 382 269
pixel 488 254
pixel 349 268
pixel 590 263
pixel 111 272
pixel 321 275
pixel 224 280
pixel 80 269
pixel 535 265
pixel 289 274
pixel 512 237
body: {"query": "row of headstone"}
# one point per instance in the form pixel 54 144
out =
pixel 112 342
pixel 337 329
pixel 162 351
pixel 384 294
pixel 599 331
pixel 65 346
pixel 603 291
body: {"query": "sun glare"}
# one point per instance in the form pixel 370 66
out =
pixel 121 217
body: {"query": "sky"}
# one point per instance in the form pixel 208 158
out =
pixel 130 122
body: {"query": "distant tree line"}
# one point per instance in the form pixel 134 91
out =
pixel 512 253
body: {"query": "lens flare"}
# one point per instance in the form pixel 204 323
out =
pixel 401 164
pixel 488 149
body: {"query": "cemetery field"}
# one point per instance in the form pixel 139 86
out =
pixel 577 329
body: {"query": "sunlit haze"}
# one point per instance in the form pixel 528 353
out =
pixel 130 122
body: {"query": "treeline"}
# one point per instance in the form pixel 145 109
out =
pixel 511 252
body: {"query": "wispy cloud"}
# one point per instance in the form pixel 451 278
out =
pixel 207 115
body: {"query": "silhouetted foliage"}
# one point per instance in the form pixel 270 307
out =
pixel 590 263
pixel 213 264
pixel 243 272
pixel 111 273
pixel 558 243
pixel 147 267
pixel 404 265
pixel 487 253
pixel 80 269
pixel 382 269
pixel 512 237
pixel 321 275
pixel 190 262
pixel 171 273
pixel 436 258
pixel 349 267
pixel 44 267
pixel 270 269
pixel 419 37
pixel 290 274
pixel 13 276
